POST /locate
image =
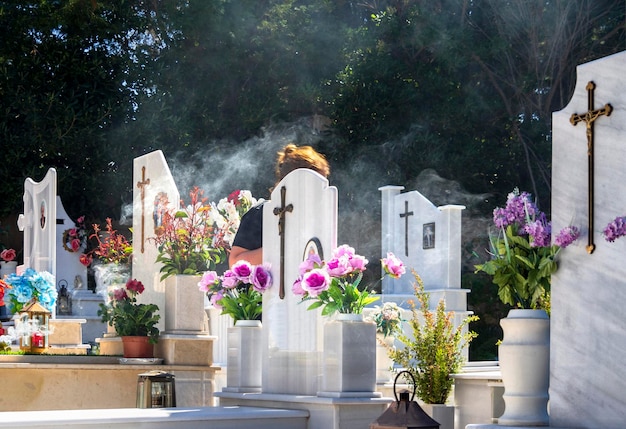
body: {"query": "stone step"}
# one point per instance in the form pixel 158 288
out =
pixel 155 418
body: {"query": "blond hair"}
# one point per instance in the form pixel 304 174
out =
pixel 293 157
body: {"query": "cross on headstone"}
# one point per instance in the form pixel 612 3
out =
pixel 589 118
pixel 406 215
pixel 280 212
pixel 142 186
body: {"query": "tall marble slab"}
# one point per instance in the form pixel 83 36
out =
pixel 38 222
pixel 588 339
pixel 153 185
pixel 292 335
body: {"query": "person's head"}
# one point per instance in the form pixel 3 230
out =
pixel 293 157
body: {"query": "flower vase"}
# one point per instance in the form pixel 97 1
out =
pixel 383 362
pixel 184 306
pixel 137 347
pixel 243 361
pixel 524 356
pixel 441 413
pixel 349 358
pixel 7 268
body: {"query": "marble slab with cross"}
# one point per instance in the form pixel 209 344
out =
pixel 427 239
pixel 587 335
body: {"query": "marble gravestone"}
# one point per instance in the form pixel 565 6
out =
pixel 427 239
pixel 588 339
pixel 154 189
pixel 38 222
pixel 306 207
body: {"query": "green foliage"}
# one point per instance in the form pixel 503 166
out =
pixel 434 351
pixel 343 296
pixel 522 272
pixel 127 316
pixel 247 304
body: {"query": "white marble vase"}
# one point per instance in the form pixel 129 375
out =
pixel 184 306
pixel 383 362
pixel 349 360
pixel 524 356
pixel 243 362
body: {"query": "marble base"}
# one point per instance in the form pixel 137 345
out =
pixel 185 349
pixel 325 413
pixel 110 346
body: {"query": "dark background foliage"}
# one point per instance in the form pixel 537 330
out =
pixel 453 98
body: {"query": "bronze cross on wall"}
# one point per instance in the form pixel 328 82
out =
pixel 280 212
pixel 142 186
pixel 406 215
pixel 589 118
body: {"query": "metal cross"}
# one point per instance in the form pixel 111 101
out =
pixel 406 215
pixel 589 118
pixel 142 186
pixel 280 212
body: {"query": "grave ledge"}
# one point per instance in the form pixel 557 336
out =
pixel 215 417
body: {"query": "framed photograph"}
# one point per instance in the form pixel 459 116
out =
pixel 428 236
pixel 313 247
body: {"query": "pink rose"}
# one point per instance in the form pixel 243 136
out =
pixel 344 250
pixel 8 255
pixel 73 232
pixel 75 244
pixel 86 260
pixel 261 279
pixel 215 299
pixel 358 263
pixel 315 282
pixel 339 267
pixel 297 287
pixel 393 266
pixel 209 278
pixel 229 279
pixel 313 261
pixel 243 270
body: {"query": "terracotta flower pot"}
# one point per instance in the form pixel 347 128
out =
pixel 137 347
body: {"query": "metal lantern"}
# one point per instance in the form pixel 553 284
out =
pixel 33 329
pixel 404 413
pixel 64 300
pixel 156 389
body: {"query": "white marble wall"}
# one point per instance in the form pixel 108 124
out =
pixel 588 339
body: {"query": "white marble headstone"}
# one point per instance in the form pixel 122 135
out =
pixel 70 271
pixel 39 223
pixel 588 339
pixel 293 336
pixel 153 183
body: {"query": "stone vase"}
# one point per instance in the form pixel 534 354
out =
pixel 184 306
pixel 383 362
pixel 349 358
pixel 137 347
pixel 244 358
pixel 441 413
pixel 524 356
pixel 7 268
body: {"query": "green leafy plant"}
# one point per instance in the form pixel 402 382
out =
pixel 523 256
pixel 127 316
pixel 184 238
pixel 434 351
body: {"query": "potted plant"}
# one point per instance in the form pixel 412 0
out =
pixel 113 252
pixel 134 322
pixel 523 258
pixel 333 286
pixel 433 351
pixel 238 293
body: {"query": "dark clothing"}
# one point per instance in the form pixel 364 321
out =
pixel 250 233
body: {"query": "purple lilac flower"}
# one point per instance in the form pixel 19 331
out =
pixel 539 231
pixel 315 282
pixel 519 208
pixel 261 278
pixel 615 229
pixel 567 236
